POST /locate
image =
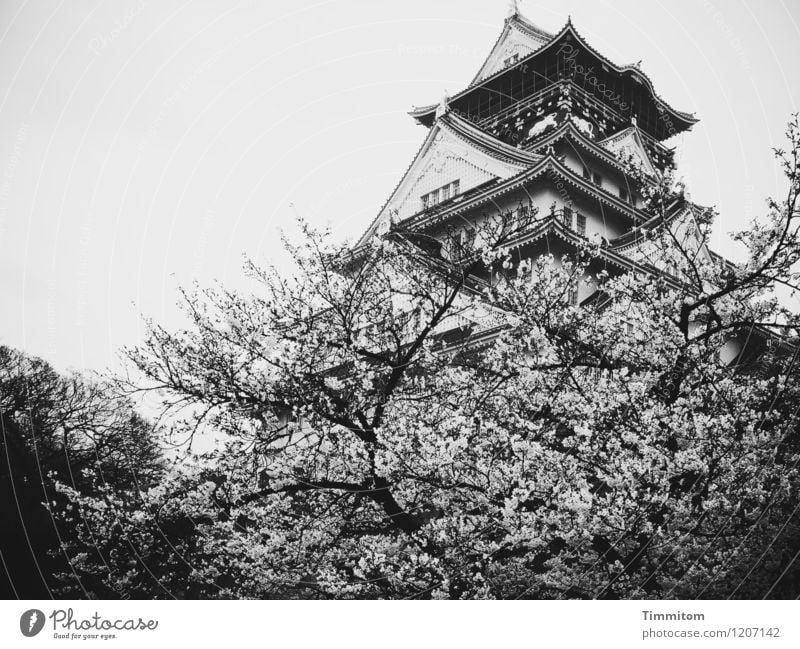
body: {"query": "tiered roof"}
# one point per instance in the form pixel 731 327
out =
pixel 533 90
pixel 489 166
pixel 627 93
pixel 472 155
pixel 519 38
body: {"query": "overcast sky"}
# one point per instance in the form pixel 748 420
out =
pixel 144 145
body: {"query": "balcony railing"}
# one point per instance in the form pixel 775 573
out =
pixel 551 94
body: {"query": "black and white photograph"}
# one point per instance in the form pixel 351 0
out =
pixel 345 301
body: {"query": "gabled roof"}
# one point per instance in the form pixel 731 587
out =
pixel 549 167
pixel 553 226
pixel 634 237
pixel 568 35
pixel 631 70
pixel 630 141
pixel 568 130
pixel 454 141
pixel 519 36
pixel 676 210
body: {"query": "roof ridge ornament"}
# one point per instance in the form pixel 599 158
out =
pixel 565 98
pixel 442 108
pixel 513 8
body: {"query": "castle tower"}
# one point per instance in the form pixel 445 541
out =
pixel 549 127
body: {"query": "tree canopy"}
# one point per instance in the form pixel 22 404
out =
pixel 57 430
pixel 391 426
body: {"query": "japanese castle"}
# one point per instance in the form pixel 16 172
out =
pixel 548 126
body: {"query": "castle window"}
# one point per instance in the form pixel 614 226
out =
pixel 439 195
pixel 581 225
pixel 566 217
pixel 623 194
pixel 597 178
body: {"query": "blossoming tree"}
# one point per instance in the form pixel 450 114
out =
pixel 393 427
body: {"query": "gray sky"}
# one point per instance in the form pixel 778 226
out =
pixel 147 144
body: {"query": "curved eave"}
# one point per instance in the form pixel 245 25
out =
pixel 677 209
pixel 634 237
pixel 425 114
pixel 569 130
pixel 643 141
pixel 634 72
pixel 472 136
pixel 488 142
pixel 428 218
pixel 593 191
pixel 552 226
